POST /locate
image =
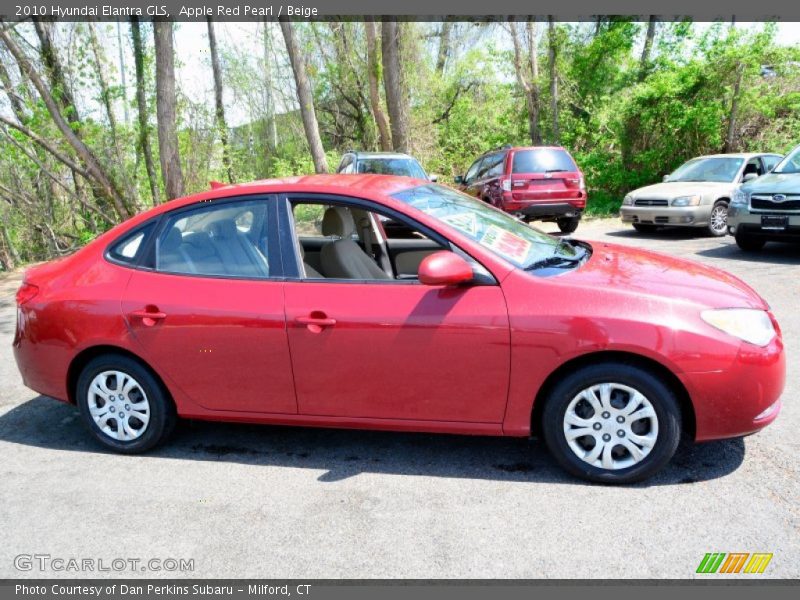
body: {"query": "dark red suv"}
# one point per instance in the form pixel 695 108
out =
pixel 535 183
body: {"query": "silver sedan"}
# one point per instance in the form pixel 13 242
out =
pixel 696 194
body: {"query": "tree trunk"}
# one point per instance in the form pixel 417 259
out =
pixel 444 46
pixel 55 72
pixel 93 165
pixel 222 126
pixel 396 97
pixel 122 74
pixel 730 138
pixel 14 99
pixel 528 80
pixel 304 97
pixel 166 111
pixel 552 56
pixel 141 103
pixel 373 66
pixel 648 46
pixel 272 124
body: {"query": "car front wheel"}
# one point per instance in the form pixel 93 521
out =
pixel 718 221
pixel 125 408
pixel 612 423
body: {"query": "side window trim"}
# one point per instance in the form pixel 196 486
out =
pixel 289 247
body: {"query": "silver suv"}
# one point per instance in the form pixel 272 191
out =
pixel 768 208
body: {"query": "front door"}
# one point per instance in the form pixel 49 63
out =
pixel 392 348
pixel 210 313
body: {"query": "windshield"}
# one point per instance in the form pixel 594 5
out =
pixel 720 169
pixel 496 231
pixel 542 160
pixel 406 167
pixel 790 164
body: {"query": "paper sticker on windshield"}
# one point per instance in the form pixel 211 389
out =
pixel 506 244
pixel 465 222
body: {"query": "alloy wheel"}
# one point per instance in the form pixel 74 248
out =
pixel 719 219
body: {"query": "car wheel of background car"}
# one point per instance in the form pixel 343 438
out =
pixel 612 423
pixel 718 221
pixel 749 243
pixel 644 227
pixel 124 406
pixel 568 225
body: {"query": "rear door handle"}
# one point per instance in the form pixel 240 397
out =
pixel 316 324
pixel 149 318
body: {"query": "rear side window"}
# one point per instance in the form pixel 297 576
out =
pixel 542 160
pixel 130 248
pixel 227 239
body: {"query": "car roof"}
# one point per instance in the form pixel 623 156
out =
pixel 381 155
pixel 739 155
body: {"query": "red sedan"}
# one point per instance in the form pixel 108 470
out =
pixel 380 302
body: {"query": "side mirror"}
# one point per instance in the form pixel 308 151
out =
pixel 665 178
pixel 749 177
pixel 444 268
pixel 458 179
pixel 433 177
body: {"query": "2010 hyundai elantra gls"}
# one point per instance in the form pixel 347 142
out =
pixel 368 301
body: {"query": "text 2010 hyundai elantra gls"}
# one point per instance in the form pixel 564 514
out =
pixel 391 303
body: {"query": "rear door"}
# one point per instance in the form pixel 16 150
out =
pixel 544 174
pixel 207 310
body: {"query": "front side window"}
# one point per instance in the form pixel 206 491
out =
pixel 720 169
pixel 497 232
pixel 492 166
pixel 472 172
pixel 791 163
pixel 223 239
pixel 770 162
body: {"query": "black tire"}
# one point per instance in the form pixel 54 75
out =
pixel 657 392
pixel 645 227
pixel 749 243
pixel 568 225
pixel 162 415
pixel 715 227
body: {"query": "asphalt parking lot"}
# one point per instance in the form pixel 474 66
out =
pixel 247 501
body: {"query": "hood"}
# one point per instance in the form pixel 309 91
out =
pixel 647 273
pixel 774 183
pixel 673 189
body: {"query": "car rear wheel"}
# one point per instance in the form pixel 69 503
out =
pixel 123 405
pixel 749 243
pixel 612 423
pixel 644 227
pixel 568 225
pixel 718 221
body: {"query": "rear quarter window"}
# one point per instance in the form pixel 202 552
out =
pixel 542 160
pixel 129 248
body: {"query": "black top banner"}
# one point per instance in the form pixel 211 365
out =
pixel 256 10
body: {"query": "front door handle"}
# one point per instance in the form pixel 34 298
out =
pixel 149 318
pixel 316 324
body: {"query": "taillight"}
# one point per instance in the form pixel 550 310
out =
pixel 26 292
pixel 582 183
pixel 506 185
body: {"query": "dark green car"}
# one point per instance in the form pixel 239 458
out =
pixel 768 208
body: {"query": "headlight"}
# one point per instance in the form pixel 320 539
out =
pixel 739 196
pixel 686 201
pixel 748 324
pixel 627 200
